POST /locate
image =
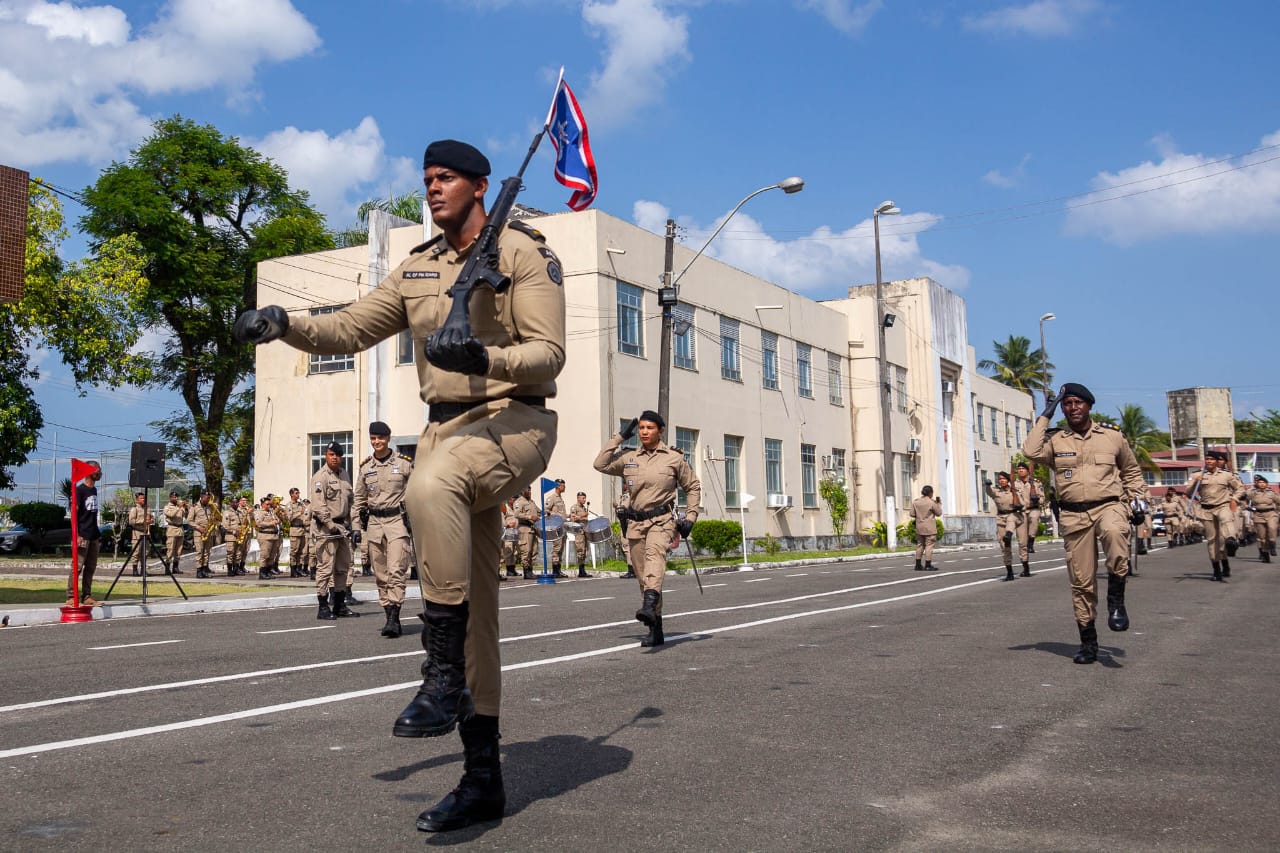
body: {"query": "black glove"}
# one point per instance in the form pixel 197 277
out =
pixel 684 525
pixel 987 483
pixel 1050 404
pixel 630 429
pixel 261 325
pixel 449 350
pixel 356 536
pixel 1139 516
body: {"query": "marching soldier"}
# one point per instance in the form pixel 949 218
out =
pixel 622 509
pixel 486 383
pixel 331 494
pixel 1029 492
pixel 268 521
pixel 924 510
pixel 205 518
pixel 1008 520
pixel 1097 476
pixel 510 538
pixel 295 511
pixel 139 523
pixel 579 513
pixel 1218 491
pixel 175 516
pixel 1172 507
pixel 379 498
pixel 313 540
pixel 526 513
pixel 1265 505
pixel 650 475
pixel 555 506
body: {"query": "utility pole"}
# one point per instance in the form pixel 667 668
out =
pixel 886 401
pixel 667 298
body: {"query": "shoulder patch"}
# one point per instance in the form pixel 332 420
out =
pixel 422 247
pixel 525 228
pixel 554 273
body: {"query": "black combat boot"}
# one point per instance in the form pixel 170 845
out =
pixel 338 602
pixel 443 700
pixel 1142 547
pixel 1008 573
pixel 1031 545
pixel 1226 568
pixel 528 573
pixel 1026 569
pixel 349 595
pixel 1088 645
pixel 629 573
pixel 392 628
pixel 555 571
pixel 655 637
pixel 366 569
pixel 1149 545
pixel 480 795
pixel 1265 555
pixel 1117 616
pixel 919 566
pixel 1217 570
pixel 264 573
pixel 311 573
pixel 511 571
pixel 203 572
pixel 582 571
pixel 648 612
pixel 1233 545
pixel 325 612
pixel 1272 550
pixel 930 567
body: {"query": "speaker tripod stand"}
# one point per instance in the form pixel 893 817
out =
pixel 142 544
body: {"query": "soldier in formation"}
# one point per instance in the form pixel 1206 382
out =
pixel 1264 506
pixel 1029 493
pixel 526 513
pixel 579 514
pixel 237 528
pixel 924 512
pixel 555 507
pixel 1218 493
pixel 205 519
pixel 510 538
pixel 139 524
pixel 269 521
pixel 379 502
pixel 331 499
pixel 295 512
pixel 175 517
pixel 1008 521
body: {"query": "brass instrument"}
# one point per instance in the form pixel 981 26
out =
pixel 245 526
pixel 215 521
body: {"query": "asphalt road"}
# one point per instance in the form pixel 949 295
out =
pixel 834 707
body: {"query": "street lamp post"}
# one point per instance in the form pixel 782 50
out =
pixel 669 294
pixel 887 208
pixel 1044 357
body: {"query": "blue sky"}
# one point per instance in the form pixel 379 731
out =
pixel 1085 157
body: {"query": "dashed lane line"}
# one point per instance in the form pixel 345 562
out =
pixel 134 645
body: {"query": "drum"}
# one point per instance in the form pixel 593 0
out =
pixel 551 528
pixel 511 534
pixel 598 530
pixel 572 530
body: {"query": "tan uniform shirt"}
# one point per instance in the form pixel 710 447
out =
pixel 522 328
pixel 380 486
pixel 1003 499
pixel 650 477
pixel 1217 489
pixel 525 510
pixel 1263 500
pixel 201 517
pixel 296 512
pixel 924 510
pixel 231 521
pixel 174 516
pixel 267 522
pixel 137 520
pixel 1172 506
pixel 578 513
pixel 555 505
pixel 331 498
pixel 1025 491
pixel 1096 466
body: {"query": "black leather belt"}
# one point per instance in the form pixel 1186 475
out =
pixel 386 512
pixel 1006 511
pixel 1085 506
pixel 1204 505
pixel 268 529
pixel 643 514
pixel 438 413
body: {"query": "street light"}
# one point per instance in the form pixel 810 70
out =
pixel 887 208
pixel 669 294
pixel 1044 357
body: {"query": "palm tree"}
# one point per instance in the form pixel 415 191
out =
pixel 1141 432
pixel 1017 365
pixel 406 207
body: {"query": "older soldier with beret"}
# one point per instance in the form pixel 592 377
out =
pixel 1097 476
pixel 650 475
pixel 1265 506
pixel 1218 492
pixel 379 498
pixel 489 432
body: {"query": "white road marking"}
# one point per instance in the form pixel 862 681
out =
pixel 134 645
pixel 519 606
pixel 800 575
pixel 709 585
pixel 293 630
pixel 758 580
pixel 581 600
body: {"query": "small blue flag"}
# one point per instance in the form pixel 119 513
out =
pixel 547 485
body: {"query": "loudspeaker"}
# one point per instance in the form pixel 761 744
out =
pixel 146 465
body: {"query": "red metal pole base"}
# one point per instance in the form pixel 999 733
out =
pixel 83 613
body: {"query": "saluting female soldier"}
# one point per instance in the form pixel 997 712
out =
pixel 650 474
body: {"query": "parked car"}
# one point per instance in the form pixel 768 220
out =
pixel 20 540
pixel 1157 523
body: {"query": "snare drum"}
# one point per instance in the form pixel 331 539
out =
pixel 551 528
pixel 598 530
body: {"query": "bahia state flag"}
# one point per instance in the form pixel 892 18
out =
pixel 575 164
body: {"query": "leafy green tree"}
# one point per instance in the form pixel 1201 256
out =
pixel 39 516
pixel 204 210
pixel 1259 430
pixel 837 501
pixel 1017 365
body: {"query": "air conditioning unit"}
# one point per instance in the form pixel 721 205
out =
pixel 913 445
pixel 948 387
pixel 780 501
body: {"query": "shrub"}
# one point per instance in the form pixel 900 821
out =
pixel 39 516
pixel 770 544
pixel 718 537
pixel 878 534
pixel 837 501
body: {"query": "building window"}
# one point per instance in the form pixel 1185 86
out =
pixel 804 369
pixel 1267 462
pixel 834 383
pixel 683 345
pixel 904 480
pixel 1018 423
pixel 1149 478
pixel 321 440
pixel 733 471
pixel 809 475
pixel 837 463
pixel 404 347
pixel 730 354
pixel 330 363
pixel 995 439
pixel 686 443
pixel 982 490
pixel 773 466
pixel 1174 477
pixel 769 350
pixel 982 430
pixel 630 319
pixel 900 388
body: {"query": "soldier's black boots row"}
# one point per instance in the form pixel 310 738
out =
pixel 1026 569
pixel 528 573
pixel 392 628
pixel 1031 545
pixel 443 700
pixel 1117 616
pixel 1088 645
pixel 1264 554
pixel 480 795
pixel 556 572
pixel 582 571
pixel 650 613
pixel 929 567
pixel 325 612
pixel 203 572
pixel 919 566
pixel 511 571
pixel 338 603
pixel 629 573
pixel 1226 567
pixel 264 574
pixel 1008 573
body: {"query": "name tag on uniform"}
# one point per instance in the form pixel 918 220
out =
pixel 1065 453
pixel 630 464
pixel 422 274
pixel 395 469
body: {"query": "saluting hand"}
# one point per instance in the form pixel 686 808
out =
pixel 261 325
pixel 1050 403
pixel 630 429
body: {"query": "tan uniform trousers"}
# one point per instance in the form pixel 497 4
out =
pixel 510 549
pixel 204 544
pixel 581 547
pixel 236 550
pixel 648 543
pixel 1010 522
pixel 389 551
pixel 557 548
pixel 528 544
pixel 469 465
pixel 1081 533
pixel 333 562
pixel 924 546
pixel 173 549
pixel 1264 527
pixel 1219 526
pixel 1172 525
pixel 1029 528
pixel 268 551
pixel 298 550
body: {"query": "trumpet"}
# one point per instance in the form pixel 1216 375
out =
pixel 215 521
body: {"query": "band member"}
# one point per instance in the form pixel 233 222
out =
pixel 1218 492
pixel 1029 494
pixel 579 513
pixel 555 506
pixel 510 537
pixel 236 525
pixel 1097 476
pixel 924 510
pixel 526 513
pixel 205 519
pixel 650 475
pixel 296 513
pixel 1008 520
pixel 175 516
pixel 1265 506
pixel 139 522
pixel 268 521
pixel 379 498
pixel 621 509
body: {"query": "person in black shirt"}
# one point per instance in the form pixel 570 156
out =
pixel 88 537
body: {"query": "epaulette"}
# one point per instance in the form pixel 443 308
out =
pixel 1108 426
pixel 422 247
pixel 525 228
pixel 364 461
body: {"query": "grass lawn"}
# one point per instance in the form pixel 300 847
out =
pixel 20 591
pixel 681 563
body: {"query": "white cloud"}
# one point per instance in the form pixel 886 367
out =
pixel 1041 19
pixel 1183 194
pixel 69 75
pixel 644 47
pixel 825 261
pixel 1011 179
pixel 846 16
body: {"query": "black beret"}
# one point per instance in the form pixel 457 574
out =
pixel 335 448
pixel 653 418
pixel 455 155
pixel 559 481
pixel 173 494
pixel 1257 477
pixel 379 428
pixel 1075 389
pixel 1023 465
pixel 1220 455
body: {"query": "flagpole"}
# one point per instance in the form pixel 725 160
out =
pixel 552 109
